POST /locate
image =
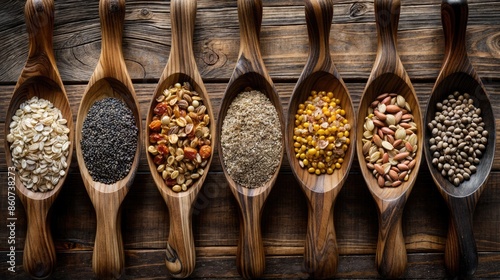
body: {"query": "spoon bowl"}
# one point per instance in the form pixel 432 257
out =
pixel 110 79
pixel 250 72
pixel 320 74
pixel 39 77
pixel 389 76
pixel 180 258
pixel 457 74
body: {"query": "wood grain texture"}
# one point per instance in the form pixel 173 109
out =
pixel 458 74
pixel 110 79
pixel 181 67
pixel 250 72
pixel 215 220
pixel 388 75
pixel 145 264
pixel 39 77
pixel 319 74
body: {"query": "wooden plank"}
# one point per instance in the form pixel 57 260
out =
pixel 216 224
pixel 147 39
pixel 216 91
pixel 149 264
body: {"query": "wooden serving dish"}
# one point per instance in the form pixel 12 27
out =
pixel 250 72
pixel 181 67
pixel 321 253
pixel 457 74
pixel 41 78
pixel 110 79
pixel 388 75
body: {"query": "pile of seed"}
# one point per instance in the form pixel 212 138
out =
pixel 109 140
pixel 458 137
pixel 251 139
pixel 39 144
pixel 179 136
pixel 321 133
pixel 390 140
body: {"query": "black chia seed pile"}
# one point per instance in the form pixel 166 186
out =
pixel 109 140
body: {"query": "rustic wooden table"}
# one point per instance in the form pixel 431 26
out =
pixel 284 47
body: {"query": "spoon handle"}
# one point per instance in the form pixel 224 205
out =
pixel 39 16
pixel 461 251
pixel 387 19
pixel 183 17
pixel 250 58
pixel 111 62
pixel 39 252
pixel 454 14
pixel 319 15
pixel 250 259
pixel 180 258
pixel 320 252
pixel 108 259
pixel 391 250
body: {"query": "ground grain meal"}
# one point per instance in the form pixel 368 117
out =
pixel 251 139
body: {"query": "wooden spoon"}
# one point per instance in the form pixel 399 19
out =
pixel 457 74
pixel 110 79
pixel 41 78
pixel 250 72
pixel 388 75
pixel 321 254
pixel 181 67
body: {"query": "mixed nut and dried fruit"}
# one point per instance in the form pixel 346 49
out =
pixel 321 133
pixel 251 139
pixel 390 140
pixel 109 140
pixel 39 144
pixel 458 137
pixel 180 137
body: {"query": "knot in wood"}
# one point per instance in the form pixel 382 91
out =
pixel 357 9
pixel 210 57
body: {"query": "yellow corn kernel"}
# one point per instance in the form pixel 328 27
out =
pixel 330 147
pixel 300 111
pixel 330 139
pixel 318 172
pixel 321 131
pixel 297 122
pixel 329 153
pixel 302 156
pixel 346 133
pixel 303 148
pixel 305 162
pixel 340 160
pixel 297 145
pixel 330 94
pixel 301 106
pixel 297 155
pixel 321 165
pixel 337 165
pixel 340 135
pixel 309 112
pixel 311 170
pixel 311 152
pixel 348 141
pixel 314 164
pixel 305 125
pixel 329 171
pixel 316 127
pixel 344 147
pixel 345 121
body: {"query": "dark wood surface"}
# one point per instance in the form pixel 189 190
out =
pixel 284 47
